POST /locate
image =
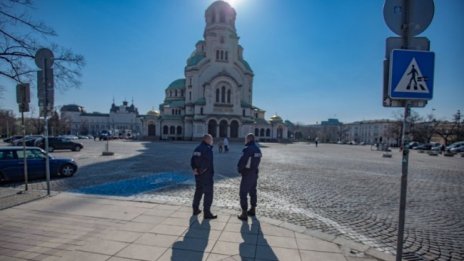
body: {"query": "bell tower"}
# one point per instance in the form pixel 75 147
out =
pixel 220 33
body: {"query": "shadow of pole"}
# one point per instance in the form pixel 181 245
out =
pixel 194 243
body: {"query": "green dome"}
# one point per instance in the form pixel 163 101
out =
pixel 177 84
pixel 195 59
pixel 247 65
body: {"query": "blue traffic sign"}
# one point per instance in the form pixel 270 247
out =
pixel 411 75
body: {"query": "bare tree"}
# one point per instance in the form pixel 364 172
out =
pixel 21 37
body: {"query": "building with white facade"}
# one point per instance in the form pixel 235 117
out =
pixel 123 120
pixel 371 132
pixel 216 94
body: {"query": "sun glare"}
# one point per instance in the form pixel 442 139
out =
pixel 234 3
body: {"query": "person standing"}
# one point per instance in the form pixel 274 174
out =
pixel 316 141
pixel 203 169
pixel 248 167
pixel 226 144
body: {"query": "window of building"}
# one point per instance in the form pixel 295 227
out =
pixel 217 54
pixel 217 95
pixel 223 94
pixel 226 57
pixel 175 93
pixel 190 96
pixel 182 93
pixel 222 16
pixel 243 113
pixel 201 111
pixel 228 96
pixel 179 130
pixel 222 55
pixel 165 129
pixel 172 130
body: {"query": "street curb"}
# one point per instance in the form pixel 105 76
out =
pixel 350 247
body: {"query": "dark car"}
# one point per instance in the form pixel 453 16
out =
pixel 12 138
pixel 12 164
pixel 57 143
pixel 29 140
pixel 426 146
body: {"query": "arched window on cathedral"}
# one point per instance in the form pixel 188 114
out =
pixel 190 96
pixel 213 19
pixel 223 94
pixel 227 54
pixel 201 111
pixel 222 16
pixel 217 54
pixel 222 55
pixel 228 96
pixel 217 95
pixel 172 130
pixel 175 92
pixel 165 129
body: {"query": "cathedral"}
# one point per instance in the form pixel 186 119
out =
pixel 216 94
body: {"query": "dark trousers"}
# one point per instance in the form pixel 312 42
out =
pixel 203 185
pixel 248 186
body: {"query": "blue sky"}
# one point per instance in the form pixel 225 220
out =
pixel 312 59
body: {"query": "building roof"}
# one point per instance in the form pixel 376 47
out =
pixel 195 59
pixel 247 65
pixel 177 84
pixel 276 118
pixel 95 114
pixel 201 101
pixel 261 121
pixel 152 113
pixel 245 104
pixel 72 108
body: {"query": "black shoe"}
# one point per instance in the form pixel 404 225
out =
pixel 196 212
pixel 251 212
pixel 209 216
pixel 243 216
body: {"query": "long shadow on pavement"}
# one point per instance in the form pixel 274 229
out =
pixel 193 245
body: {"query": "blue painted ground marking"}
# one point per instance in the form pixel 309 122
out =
pixel 133 186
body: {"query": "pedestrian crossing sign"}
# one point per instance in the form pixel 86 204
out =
pixel 411 75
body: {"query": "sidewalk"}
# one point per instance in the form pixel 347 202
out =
pixel 10 197
pixel 77 227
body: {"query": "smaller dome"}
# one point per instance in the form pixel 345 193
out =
pixel 72 108
pixel 177 84
pixel 153 113
pixel 276 118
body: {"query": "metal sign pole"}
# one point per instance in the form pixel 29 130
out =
pixel 24 151
pixel 405 134
pixel 47 160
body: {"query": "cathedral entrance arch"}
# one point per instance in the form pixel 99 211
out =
pixel 151 129
pixel 234 129
pixel 223 128
pixel 212 127
pixel 280 132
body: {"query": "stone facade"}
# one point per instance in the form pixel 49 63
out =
pixel 123 120
pixel 216 95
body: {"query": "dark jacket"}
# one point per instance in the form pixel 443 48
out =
pixel 251 157
pixel 202 159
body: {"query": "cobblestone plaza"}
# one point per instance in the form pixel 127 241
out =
pixel 337 189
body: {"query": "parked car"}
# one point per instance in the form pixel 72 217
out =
pixel 29 140
pixel 457 149
pixel 12 164
pixel 12 138
pixel 69 137
pixel 58 143
pixel 427 146
pixel 413 144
